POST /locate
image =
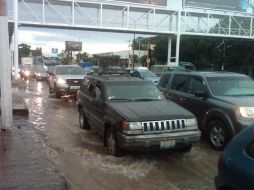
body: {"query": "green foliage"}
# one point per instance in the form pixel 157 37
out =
pixel 210 53
pixel 24 51
pixel 37 52
pixel 161 50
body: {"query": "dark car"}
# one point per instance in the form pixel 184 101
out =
pixel 41 74
pixel 131 113
pixel 223 102
pixel 236 164
pixel 146 75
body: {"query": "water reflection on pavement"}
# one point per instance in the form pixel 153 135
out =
pixel 80 154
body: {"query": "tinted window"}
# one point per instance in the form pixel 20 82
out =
pixel 164 81
pixel 180 83
pixel 69 71
pixel 138 91
pixel 146 74
pixel 84 85
pixel 231 86
pixel 250 149
pixel 196 85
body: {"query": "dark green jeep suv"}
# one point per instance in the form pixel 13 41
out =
pixel 132 114
pixel 223 102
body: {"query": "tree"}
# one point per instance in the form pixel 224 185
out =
pixel 37 52
pixel 82 57
pixel 161 50
pixel 24 51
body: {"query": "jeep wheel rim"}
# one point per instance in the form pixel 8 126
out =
pixel 217 136
pixel 111 144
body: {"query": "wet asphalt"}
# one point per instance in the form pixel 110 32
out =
pixel 83 161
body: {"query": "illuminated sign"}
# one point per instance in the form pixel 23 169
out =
pixel 230 5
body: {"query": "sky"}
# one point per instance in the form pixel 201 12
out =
pixel 92 42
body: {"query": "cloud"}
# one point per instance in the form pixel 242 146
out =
pixel 93 42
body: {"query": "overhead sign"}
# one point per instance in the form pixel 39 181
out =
pixel 230 5
pixel 150 2
pixel 73 46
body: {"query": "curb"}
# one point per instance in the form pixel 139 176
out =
pixel 19 112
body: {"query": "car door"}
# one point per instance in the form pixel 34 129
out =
pixel 183 90
pixel 96 105
pixel 197 100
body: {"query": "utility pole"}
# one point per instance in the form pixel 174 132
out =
pixel 5 69
pixel 133 48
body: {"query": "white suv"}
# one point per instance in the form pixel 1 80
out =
pixel 65 80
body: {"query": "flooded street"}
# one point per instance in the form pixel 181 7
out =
pixel 84 162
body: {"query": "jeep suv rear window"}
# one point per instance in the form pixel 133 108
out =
pixel 231 86
pixel 133 92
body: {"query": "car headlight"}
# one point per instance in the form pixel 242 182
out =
pixel 61 81
pixel 191 123
pixel 133 128
pixel 247 112
pixel 27 73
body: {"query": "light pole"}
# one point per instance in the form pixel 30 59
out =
pixel 133 43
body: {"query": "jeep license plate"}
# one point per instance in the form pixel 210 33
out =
pixel 167 144
pixel 74 87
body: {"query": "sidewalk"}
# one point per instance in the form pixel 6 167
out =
pixel 23 156
pixel 23 161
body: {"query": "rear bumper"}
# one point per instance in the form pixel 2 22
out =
pixel 154 141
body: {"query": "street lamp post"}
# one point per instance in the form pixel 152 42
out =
pixel 133 48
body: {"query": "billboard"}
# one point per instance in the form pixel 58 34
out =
pixel 73 46
pixel 149 2
pixel 246 6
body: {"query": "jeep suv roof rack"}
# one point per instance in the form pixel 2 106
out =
pixel 114 72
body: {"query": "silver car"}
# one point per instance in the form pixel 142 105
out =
pixel 65 80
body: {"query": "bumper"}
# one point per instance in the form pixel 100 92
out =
pixel 158 141
pixel 68 90
pixel 41 77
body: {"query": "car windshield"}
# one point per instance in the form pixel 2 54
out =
pixel 146 74
pixel 138 91
pixel 231 86
pixel 69 71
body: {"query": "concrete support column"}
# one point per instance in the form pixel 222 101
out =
pixel 178 37
pixel 16 43
pixel 5 69
pixel 169 50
